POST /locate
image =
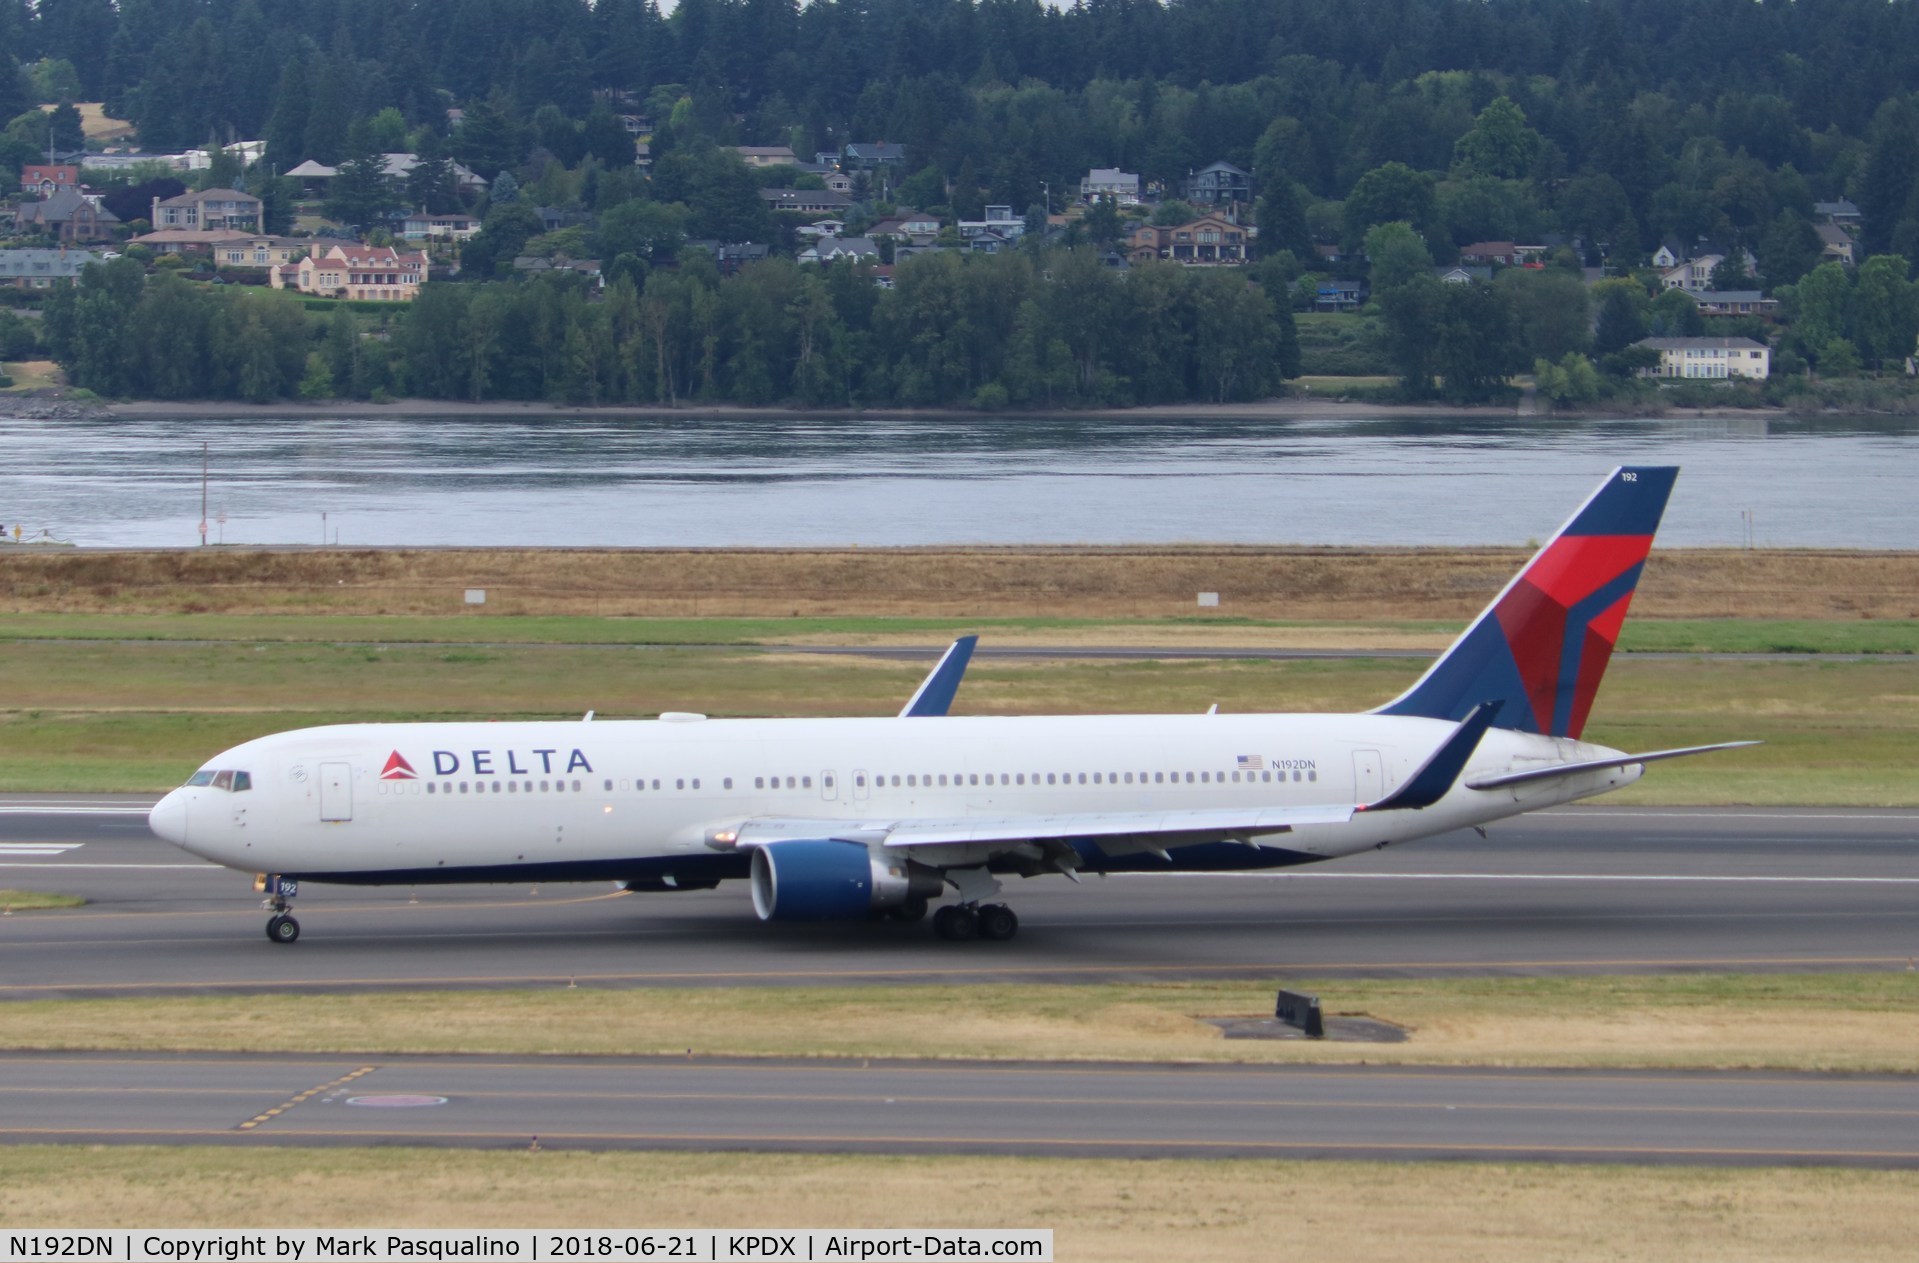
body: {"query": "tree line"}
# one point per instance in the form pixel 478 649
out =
pixel 999 331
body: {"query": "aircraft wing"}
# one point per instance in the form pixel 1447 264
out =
pixel 1556 770
pixel 1149 829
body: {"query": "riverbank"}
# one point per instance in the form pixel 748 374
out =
pixel 1259 410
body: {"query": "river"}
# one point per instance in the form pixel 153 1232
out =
pixel 680 481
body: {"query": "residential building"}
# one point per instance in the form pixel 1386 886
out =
pixel 1219 184
pixel 42 269
pixel 43 180
pixel 1121 186
pixel 833 249
pixel 1694 275
pixel 1210 239
pixel 421 226
pixel 1000 220
pixel 991 242
pixel 1464 273
pixel 1835 244
pixel 805 201
pixel 259 251
pixel 68 216
pixel 1840 212
pixel 1708 358
pixel 589 268
pixel 1734 302
pixel 909 225
pixel 873 154
pixel 766 155
pixel 352 270
pixel 1339 295
pixel 208 210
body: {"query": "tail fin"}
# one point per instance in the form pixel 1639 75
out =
pixel 1543 644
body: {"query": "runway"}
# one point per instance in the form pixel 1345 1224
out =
pixel 1073 1110
pixel 1580 889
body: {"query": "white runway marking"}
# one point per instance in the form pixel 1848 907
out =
pixel 1784 815
pixel 205 868
pixel 1659 877
pixel 9 850
pixel 62 810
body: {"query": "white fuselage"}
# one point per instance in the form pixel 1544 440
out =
pixel 610 799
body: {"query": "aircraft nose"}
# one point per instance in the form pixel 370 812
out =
pixel 168 818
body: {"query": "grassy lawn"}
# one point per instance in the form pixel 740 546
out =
pixel 34 900
pixel 1855 1022
pixel 31 375
pixel 1103 1209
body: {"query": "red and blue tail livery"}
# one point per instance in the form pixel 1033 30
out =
pixel 1541 648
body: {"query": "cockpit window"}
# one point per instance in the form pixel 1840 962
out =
pixel 227 779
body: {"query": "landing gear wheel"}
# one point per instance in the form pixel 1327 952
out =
pixel 956 923
pixel 997 923
pixel 283 928
pixel 913 909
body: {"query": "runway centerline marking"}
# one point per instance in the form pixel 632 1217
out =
pixel 1649 877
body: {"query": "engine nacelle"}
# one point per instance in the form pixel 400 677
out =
pixel 820 879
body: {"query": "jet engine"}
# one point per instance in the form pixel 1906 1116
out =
pixel 820 879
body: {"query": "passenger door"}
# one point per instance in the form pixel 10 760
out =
pixel 336 792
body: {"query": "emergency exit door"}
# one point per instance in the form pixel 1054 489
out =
pixel 336 791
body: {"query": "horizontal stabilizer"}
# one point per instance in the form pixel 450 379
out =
pixel 1598 765
pixel 1435 777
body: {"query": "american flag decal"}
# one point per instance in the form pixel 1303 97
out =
pixel 1251 762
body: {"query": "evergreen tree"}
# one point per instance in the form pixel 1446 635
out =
pixel 1282 220
pixel 361 195
pixel 286 128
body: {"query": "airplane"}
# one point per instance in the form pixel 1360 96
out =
pixel 866 818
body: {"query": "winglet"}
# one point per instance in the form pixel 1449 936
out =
pixel 935 693
pixel 1436 776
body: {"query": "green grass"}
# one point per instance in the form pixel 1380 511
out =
pixel 1850 1021
pixel 30 900
pixel 1873 636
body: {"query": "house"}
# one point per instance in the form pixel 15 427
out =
pixel 823 228
pixel 1339 295
pixel 1219 184
pixel 421 226
pixel 873 154
pixel 1694 275
pixel 1121 186
pixel 766 155
pixel 991 242
pixel 1708 358
pixel 1839 212
pixel 1734 302
pixel 908 225
pixel 1490 254
pixel 69 216
pixel 736 255
pixel 589 268
pixel 999 220
pixel 805 201
pixel 833 249
pixel 883 275
pixel 1464 273
pixel 1208 240
pixel 1835 244
pixel 352 270
pixel 42 269
pixel 258 251
pixel 43 180
pixel 208 210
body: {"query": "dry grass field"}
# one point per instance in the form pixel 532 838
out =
pixel 1863 1022
pixel 1294 584
pixel 1101 1211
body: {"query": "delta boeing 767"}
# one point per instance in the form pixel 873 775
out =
pixel 862 817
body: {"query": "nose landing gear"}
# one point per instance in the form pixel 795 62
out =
pixel 281 927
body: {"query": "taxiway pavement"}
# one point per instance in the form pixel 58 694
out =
pixel 707 1104
pixel 1579 889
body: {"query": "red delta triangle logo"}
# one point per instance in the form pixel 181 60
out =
pixel 398 769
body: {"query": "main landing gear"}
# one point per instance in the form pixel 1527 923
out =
pixel 964 922
pixel 281 927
